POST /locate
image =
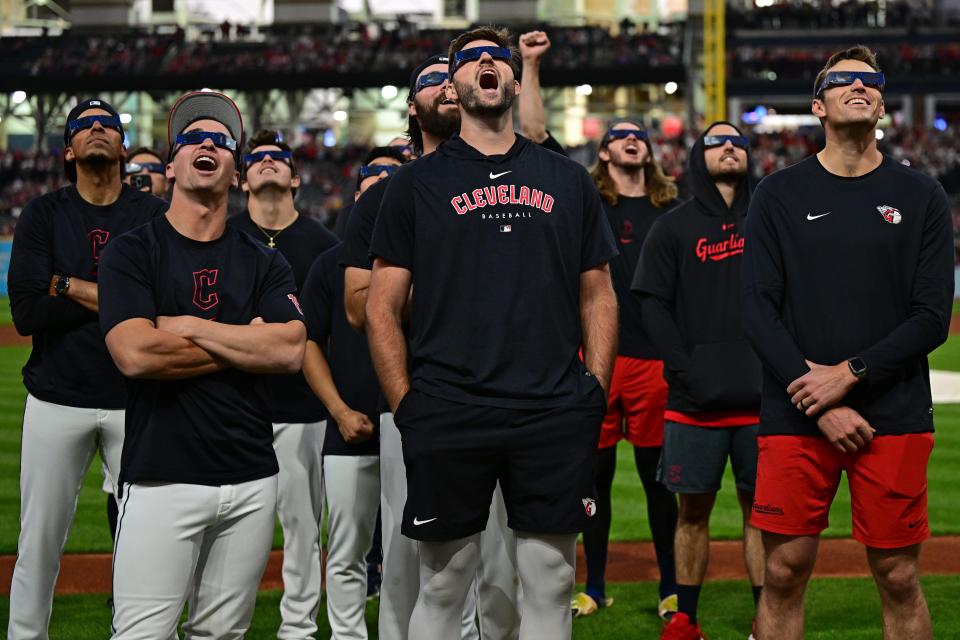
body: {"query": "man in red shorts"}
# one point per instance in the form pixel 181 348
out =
pixel 635 192
pixel 848 286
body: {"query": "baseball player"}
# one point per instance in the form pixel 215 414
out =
pixel 345 381
pixel 635 193
pixel 691 262
pixel 848 286
pixel 502 270
pixel 198 312
pixel 378 157
pixel 75 395
pixel 270 179
pixel 433 117
pixel 147 162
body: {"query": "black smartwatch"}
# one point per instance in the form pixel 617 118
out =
pixel 858 367
pixel 62 285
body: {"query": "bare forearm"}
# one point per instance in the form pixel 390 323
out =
pixel 388 348
pixel 160 355
pixel 533 121
pixel 598 318
pixel 84 293
pixel 316 370
pixel 256 348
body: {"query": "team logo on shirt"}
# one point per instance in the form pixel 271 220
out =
pixel 626 233
pixel 503 194
pixel 204 297
pixel 717 251
pixel 590 506
pixel 292 298
pixel 98 240
pixel 890 214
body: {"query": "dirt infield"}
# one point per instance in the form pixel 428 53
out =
pixel 627 562
pixel 9 337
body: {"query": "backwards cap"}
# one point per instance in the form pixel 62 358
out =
pixel 205 105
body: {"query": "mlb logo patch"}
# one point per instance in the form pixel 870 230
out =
pixel 890 214
pixel 506 228
pixel 590 506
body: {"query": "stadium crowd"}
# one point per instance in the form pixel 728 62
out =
pixel 830 15
pixel 309 48
pixel 747 62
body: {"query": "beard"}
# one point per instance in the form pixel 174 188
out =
pixel 441 125
pixel 471 102
pixel 96 159
pixel 724 173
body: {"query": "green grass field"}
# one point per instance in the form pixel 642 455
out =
pixel 90 533
pixel 848 607
pixel 839 609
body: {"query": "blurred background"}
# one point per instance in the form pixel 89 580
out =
pixel 330 75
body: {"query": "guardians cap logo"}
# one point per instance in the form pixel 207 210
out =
pixel 890 214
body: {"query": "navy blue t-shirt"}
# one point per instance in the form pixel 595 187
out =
pixel 61 233
pixel 211 429
pixel 496 246
pixel 291 399
pixel 346 350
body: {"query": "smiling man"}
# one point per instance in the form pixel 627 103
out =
pixel 75 395
pixel 848 286
pixel 505 247
pixel 270 180
pixel 198 312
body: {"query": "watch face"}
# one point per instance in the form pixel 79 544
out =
pixel 858 366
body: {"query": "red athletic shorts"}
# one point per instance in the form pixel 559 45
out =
pixel 637 400
pixel 798 476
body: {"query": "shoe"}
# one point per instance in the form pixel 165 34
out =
pixel 667 607
pixel 680 628
pixel 584 605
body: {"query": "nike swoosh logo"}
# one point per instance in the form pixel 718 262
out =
pixel 812 217
pixel 494 176
pixel 417 522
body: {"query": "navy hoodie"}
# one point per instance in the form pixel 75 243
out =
pixel 688 279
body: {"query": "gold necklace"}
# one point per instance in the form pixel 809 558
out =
pixel 271 238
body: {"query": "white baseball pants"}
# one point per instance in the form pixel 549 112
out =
pixel 300 508
pixel 206 545
pixel 57 447
pixel 352 485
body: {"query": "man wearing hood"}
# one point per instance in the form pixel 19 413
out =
pixel 505 248
pixel 688 279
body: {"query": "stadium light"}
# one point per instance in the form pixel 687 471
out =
pixel 340 115
pixel 389 92
pixel 584 90
pixel 671 88
pixel 879 134
pixel 125 118
pixel 18 97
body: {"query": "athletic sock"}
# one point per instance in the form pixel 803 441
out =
pixel 662 515
pixel 687 597
pixel 756 595
pixel 597 532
